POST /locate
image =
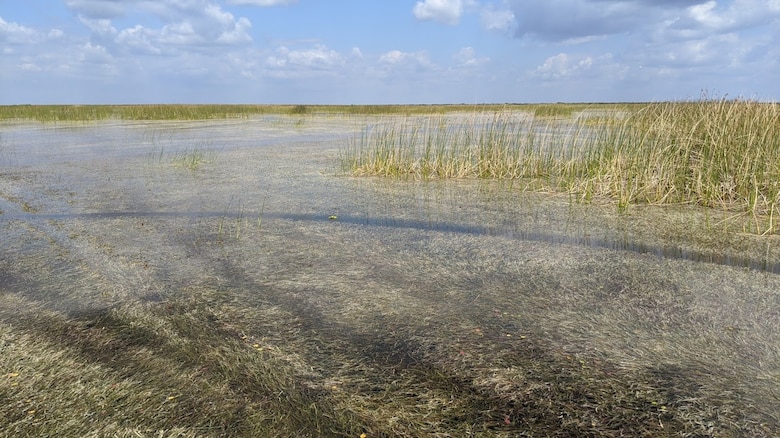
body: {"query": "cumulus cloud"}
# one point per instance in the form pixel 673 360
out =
pixel 138 39
pixel 30 67
pixel 94 54
pixel 15 33
pixel 579 66
pixel 709 17
pixel 499 19
pixel 100 27
pixel 312 61
pixel 467 57
pixel 586 19
pixel 583 20
pixel 317 56
pixel 397 57
pixel 263 3
pixel 443 11
pixel 562 65
pixel 197 23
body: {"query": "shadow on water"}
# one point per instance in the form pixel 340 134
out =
pixel 620 243
pixel 508 231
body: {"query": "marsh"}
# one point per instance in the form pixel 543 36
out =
pixel 228 278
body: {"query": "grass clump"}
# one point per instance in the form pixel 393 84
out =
pixel 191 159
pixel 712 152
pixel 299 109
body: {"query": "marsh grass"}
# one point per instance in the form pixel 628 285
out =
pixel 59 113
pixel 715 153
pixel 235 221
pixel 192 159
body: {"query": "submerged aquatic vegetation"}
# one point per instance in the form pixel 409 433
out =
pixel 166 312
pixel 713 152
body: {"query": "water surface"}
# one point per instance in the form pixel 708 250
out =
pixel 470 278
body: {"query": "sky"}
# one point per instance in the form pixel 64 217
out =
pixel 386 51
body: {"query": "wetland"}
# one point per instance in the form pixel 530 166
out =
pixel 231 277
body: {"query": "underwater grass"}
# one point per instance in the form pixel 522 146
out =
pixel 715 153
pixel 205 361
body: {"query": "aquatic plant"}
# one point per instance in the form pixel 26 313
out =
pixel 720 153
pixel 191 159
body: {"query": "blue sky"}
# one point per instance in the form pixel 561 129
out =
pixel 386 51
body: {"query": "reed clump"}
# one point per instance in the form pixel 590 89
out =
pixel 716 153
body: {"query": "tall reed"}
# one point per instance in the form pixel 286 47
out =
pixel 711 152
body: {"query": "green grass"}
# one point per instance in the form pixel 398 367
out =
pixel 713 152
pixel 192 159
pixel 56 113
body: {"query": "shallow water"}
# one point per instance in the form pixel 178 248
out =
pixel 96 215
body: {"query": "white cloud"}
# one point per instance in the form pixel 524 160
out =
pixel 213 25
pixel 238 35
pixel 691 44
pixel 178 34
pixel 94 54
pixel 581 20
pixel 138 39
pixel 392 57
pixel 502 20
pixel 55 34
pixel 727 50
pixel 187 23
pixel 101 27
pixel 198 22
pixel 710 18
pixel 443 11
pixel 398 57
pixel 30 67
pixel 262 2
pixel 555 67
pixel 568 67
pixel 398 67
pixel 306 62
pixel 17 34
pixel 467 57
